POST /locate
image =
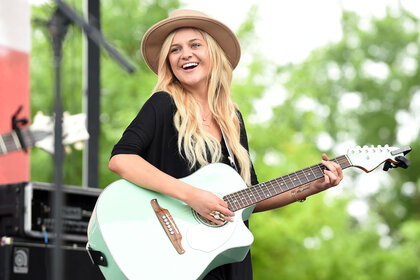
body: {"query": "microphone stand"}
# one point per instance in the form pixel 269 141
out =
pixel 57 27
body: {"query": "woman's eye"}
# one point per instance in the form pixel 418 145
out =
pixel 174 50
pixel 196 45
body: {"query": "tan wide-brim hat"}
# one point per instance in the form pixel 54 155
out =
pixel 156 35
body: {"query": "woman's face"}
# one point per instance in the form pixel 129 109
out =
pixel 189 59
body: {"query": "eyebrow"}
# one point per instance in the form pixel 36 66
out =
pixel 190 41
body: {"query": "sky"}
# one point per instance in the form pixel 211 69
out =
pixel 289 30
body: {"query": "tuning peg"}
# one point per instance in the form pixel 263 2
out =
pixel 402 162
pixel 79 145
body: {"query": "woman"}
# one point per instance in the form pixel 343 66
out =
pixel 189 119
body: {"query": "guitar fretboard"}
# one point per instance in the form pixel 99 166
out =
pixel 254 194
pixel 10 142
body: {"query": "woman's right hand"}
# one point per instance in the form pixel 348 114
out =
pixel 205 202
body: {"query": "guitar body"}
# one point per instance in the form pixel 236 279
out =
pixel 146 235
pixel 125 229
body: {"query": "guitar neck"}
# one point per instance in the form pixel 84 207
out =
pixel 257 193
pixel 10 142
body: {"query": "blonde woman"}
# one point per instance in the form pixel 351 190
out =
pixel 190 121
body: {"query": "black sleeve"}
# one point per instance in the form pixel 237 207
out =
pixel 138 136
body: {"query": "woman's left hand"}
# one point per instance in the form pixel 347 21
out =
pixel 332 176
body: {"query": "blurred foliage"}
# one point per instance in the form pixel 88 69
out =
pixel 363 89
pixel 358 90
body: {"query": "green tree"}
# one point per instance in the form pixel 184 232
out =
pixel 375 66
pixel 355 91
pixel 122 94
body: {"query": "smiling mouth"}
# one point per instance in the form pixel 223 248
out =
pixel 189 66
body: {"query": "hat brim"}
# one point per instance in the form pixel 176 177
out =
pixel 155 36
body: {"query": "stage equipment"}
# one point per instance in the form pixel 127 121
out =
pixel 26 211
pixel 21 259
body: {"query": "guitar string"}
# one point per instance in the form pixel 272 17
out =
pixel 276 187
pixel 10 141
pixel 259 192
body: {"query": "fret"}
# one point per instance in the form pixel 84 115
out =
pixel 9 142
pixel 264 191
pixel 272 189
pixel 16 140
pixel 3 148
pixel 259 192
pixel 298 176
pixel 232 202
pixel 251 197
pixel 276 186
pixel 249 193
pixel 345 161
pixel 315 172
pixel 288 175
pixel 304 174
pixel 236 202
pixel 284 183
pixel 309 174
pixel 320 169
pixel 240 198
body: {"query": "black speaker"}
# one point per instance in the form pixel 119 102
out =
pixel 24 260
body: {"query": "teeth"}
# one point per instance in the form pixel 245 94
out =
pixel 189 65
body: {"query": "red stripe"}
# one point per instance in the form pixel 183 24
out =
pixel 14 91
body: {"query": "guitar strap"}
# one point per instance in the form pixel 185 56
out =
pixel 230 157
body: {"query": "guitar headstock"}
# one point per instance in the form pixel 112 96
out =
pixel 369 158
pixel 74 130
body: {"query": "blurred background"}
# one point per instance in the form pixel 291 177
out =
pixel 314 77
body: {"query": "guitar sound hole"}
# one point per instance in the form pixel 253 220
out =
pixel 205 221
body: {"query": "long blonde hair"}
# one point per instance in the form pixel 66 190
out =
pixel 194 142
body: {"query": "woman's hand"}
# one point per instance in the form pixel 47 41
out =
pixel 205 202
pixel 332 176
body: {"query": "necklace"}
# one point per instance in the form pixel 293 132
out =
pixel 205 119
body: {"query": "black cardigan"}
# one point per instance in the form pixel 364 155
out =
pixel 153 136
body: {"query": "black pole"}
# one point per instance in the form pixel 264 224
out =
pixel 92 98
pixel 57 26
pixel 92 91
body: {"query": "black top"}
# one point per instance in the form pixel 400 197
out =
pixel 153 136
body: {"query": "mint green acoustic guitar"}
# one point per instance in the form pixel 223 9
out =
pixel 135 233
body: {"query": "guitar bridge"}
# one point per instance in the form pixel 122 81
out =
pixel 168 225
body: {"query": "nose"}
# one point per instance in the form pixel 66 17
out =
pixel 186 54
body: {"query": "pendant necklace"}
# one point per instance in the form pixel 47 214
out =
pixel 205 119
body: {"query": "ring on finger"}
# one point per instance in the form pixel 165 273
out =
pixel 217 215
